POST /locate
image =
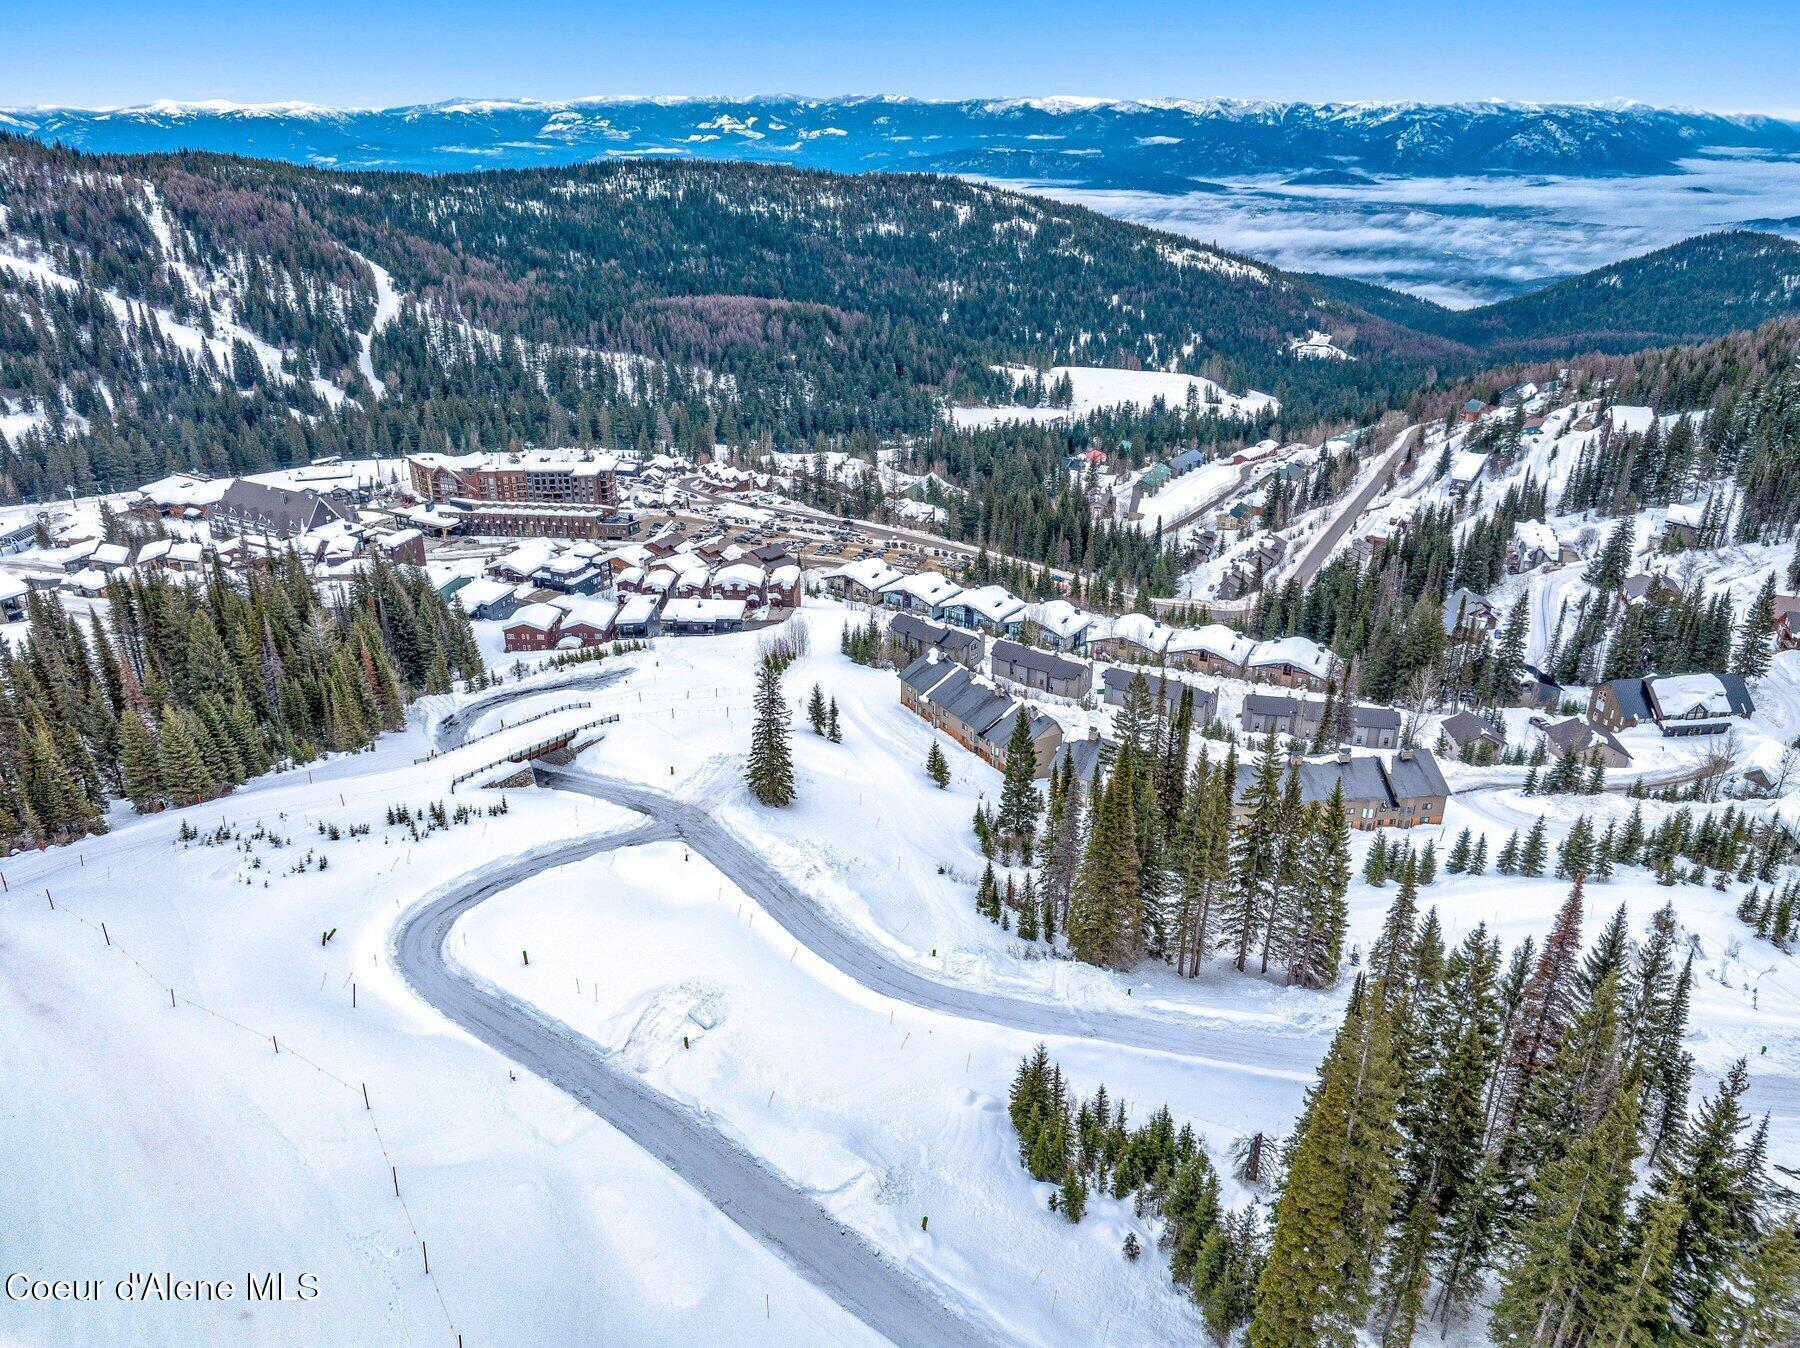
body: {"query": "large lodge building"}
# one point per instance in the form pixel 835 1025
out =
pixel 538 476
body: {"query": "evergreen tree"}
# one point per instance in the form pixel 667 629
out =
pixel 181 767
pixel 139 769
pixel 1255 857
pixel 1323 888
pixel 937 767
pixel 1535 850
pixel 1558 1286
pixel 770 770
pixel 987 895
pixel 1105 922
pixel 1019 803
pixel 1316 1284
pixel 815 710
pixel 1752 657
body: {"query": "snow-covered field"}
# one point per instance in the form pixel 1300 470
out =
pixel 1097 387
pixel 154 1137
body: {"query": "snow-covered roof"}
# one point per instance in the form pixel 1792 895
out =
pixel 928 587
pixel 184 489
pixel 1691 695
pixel 869 572
pixel 1691 515
pixel 695 610
pixel 994 602
pixel 1537 536
pixel 587 609
pixel 1140 629
pixel 540 617
pixel 11 587
pixel 1215 639
pixel 632 554
pixel 745 574
pixel 568 564
pixel 154 550
pixel 1300 652
pixel 481 591
pixel 637 610
pixel 1632 420
pixel 1060 618
pixel 433 516
pixel 526 558
pixel 1466 466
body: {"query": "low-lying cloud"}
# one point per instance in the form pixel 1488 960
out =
pixel 1466 240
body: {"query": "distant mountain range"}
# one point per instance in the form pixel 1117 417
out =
pixel 213 311
pixel 1158 145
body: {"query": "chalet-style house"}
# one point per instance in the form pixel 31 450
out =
pixel 1212 649
pixel 1591 743
pixel 1469 736
pixel 1469 617
pixel 1787 622
pixel 1292 662
pixel 255 509
pixel 1679 704
pixel 861 581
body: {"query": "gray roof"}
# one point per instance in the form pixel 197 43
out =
pixel 925 673
pixel 1581 736
pixel 956 642
pixel 1001 731
pixel 915 628
pixel 1466 727
pixel 1117 678
pixel 1043 662
pixel 1083 753
pixel 1414 774
pixel 280 508
pixel 1368 717
pixel 976 706
pixel 953 685
pixel 1737 694
pixel 1120 676
pixel 1270 704
pixel 1463 606
pixel 1361 778
pixel 1629 694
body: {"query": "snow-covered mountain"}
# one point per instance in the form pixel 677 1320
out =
pixel 1146 144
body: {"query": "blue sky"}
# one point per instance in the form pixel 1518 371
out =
pixel 1730 55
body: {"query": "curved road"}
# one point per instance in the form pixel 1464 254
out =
pixel 819 1247
pixel 785 1220
pixel 453 730
pixel 1271 1051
